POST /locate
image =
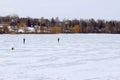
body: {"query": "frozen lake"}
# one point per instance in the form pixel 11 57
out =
pixel 75 57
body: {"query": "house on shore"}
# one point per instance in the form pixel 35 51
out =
pixel 1 28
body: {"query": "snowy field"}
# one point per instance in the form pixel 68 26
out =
pixel 75 57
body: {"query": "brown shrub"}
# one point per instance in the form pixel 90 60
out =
pixel 75 29
pixel 5 28
pixel 42 28
pixel 36 29
pixel 55 30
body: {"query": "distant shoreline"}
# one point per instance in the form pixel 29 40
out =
pixel 17 25
pixel 58 33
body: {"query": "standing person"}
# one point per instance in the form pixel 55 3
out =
pixel 58 40
pixel 23 40
pixel 12 48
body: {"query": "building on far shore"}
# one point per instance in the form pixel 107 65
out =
pixel 1 29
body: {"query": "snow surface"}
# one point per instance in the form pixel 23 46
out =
pixel 75 57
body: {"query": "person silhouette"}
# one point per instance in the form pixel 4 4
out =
pixel 12 48
pixel 58 40
pixel 23 40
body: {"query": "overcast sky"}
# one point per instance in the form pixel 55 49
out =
pixel 69 9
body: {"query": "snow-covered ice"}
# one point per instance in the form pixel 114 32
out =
pixel 75 57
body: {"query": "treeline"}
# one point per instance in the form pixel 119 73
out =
pixel 54 25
